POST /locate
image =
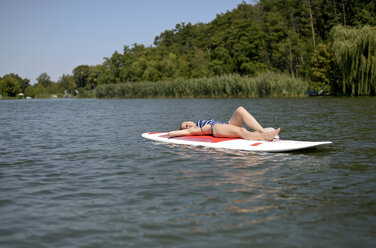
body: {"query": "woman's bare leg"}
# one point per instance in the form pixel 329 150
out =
pixel 241 115
pixel 225 130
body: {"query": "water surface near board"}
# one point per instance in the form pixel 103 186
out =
pixel 77 173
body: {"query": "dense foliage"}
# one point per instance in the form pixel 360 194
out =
pixel 12 84
pixel 355 54
pixel 266 84
pixel 329 43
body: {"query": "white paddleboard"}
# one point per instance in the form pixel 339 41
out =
pixel 277 145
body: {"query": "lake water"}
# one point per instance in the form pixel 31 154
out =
pixel 77 173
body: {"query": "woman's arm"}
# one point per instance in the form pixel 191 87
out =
pixel 189 131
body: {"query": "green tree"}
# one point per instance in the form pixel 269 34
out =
pixel 66 82
pixel 221 62
pixel 41 91
pixel 54 88
pixel 81 75
pixel 30 91
pixel 24 82
pixel 9 86
pixel 96 76
pixel 355 55
pixel 114 65
pixel 44 79
pixel 322 67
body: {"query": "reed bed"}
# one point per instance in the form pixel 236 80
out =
pixel 266 85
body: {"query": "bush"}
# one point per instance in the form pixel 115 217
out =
pixel 265 85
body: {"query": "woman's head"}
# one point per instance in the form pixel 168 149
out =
pixel 186 125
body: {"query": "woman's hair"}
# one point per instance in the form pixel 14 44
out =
pixel 180 126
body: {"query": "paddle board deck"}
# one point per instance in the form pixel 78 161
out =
pixel 277 145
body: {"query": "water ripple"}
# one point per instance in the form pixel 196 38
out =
pixel 77 173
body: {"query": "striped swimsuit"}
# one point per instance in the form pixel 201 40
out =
pixel 202 123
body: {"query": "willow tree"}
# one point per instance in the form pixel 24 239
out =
pixel 355 55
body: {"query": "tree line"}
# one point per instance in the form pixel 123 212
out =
pixel 11 85
pixel 329 43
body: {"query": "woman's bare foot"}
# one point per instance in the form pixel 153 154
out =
pixel 270 135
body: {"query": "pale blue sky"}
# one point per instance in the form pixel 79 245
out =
pixel 54 36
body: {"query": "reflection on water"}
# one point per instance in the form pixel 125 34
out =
pixel 256 185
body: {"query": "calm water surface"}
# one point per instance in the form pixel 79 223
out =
pixel 77 173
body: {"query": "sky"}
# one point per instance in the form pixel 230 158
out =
pixel 55 36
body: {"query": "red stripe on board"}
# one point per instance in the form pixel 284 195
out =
pixel 256 144
pixel 204 138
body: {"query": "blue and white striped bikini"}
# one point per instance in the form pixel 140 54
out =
pixel 211 122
